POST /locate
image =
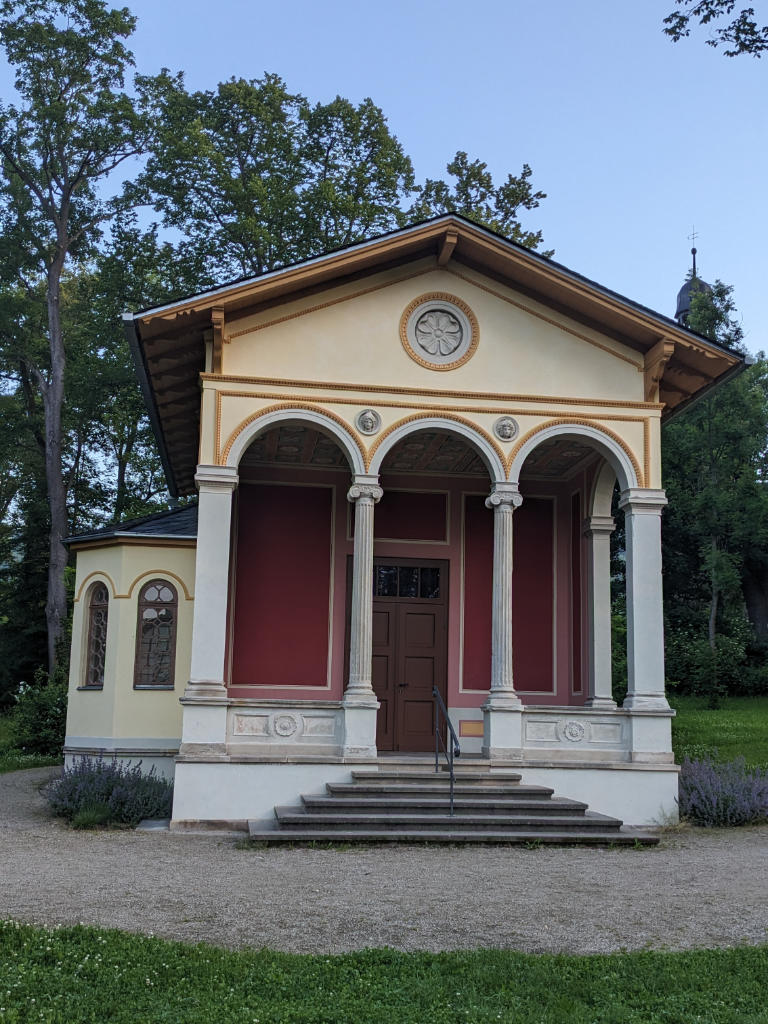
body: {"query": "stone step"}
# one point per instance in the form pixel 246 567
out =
pixel 438 804
pixel 257 833
pixel 289 817
pixel 486 778
pixel 511 790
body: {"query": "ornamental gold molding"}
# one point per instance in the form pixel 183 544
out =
pixel 386 389
pixel 446 411
pixel 640 367
pixel 572 421
pixel 452 300
pixel 103 576
pixel 160 573
pixel 222 456
pixel 431 415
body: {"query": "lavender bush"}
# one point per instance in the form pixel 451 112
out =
pixel 103 792
pixel 722 794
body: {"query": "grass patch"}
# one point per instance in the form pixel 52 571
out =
pixel 89 975
pixel 738 729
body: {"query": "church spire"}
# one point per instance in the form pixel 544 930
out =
pixel 693 283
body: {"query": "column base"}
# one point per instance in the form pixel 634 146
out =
pixel 206 688
pixel 601 703
pixel 646 702
pixel 503 729
pixel 359 711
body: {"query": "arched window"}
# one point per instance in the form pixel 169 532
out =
pixel 98 611
pixel 156 635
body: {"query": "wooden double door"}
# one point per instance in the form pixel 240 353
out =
pixel 410 605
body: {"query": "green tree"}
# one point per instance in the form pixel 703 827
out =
pixel 474 195
pixel 73 126
pixel 713 458
pixel 740 35
pixel 256 177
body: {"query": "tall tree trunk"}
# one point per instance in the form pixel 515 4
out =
pixel 53 399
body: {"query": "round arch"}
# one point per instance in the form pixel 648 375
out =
pixel 609 445
pixel 326 422
pixel 602 491
pixel 490 453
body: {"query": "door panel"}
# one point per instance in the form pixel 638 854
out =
pixel 409 652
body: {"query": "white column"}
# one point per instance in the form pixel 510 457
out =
pixel 209 624
pixel 502 711
pixel 360 704
pixel 598 530
pixel 645 616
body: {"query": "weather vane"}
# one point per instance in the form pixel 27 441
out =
pixel 692 238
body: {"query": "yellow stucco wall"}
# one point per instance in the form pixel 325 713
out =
pixel 118 711
pixel 341 351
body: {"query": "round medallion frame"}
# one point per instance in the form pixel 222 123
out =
pixel 458 312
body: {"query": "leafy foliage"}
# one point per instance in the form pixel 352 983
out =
pixel 720 795
pixel 39 715
pixel 95 791
pixel 741 35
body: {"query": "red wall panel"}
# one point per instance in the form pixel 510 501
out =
pixel 576 592
pixel 283 579
pixel 409 515
pixel 532 594
pixel 478 576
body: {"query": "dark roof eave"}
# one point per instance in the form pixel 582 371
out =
pixel 129 326
pixel 724 378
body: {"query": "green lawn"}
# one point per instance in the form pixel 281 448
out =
pixel 738 728
pixel 88 975
pixel 11 759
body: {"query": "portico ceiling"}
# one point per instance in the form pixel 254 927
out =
pixel 425 452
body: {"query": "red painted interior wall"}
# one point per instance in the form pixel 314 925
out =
pixel 281 594
pixel 532 600
pixel 410 515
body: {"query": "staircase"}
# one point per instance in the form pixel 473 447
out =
pixel 408 804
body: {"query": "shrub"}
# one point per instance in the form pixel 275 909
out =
pixel 721 794
pixel 39 717
pixel 92 785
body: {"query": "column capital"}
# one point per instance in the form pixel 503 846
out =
pixel 597 525
pixel 216 478
pixel 643 500
pixel 365 487
pixel 504 493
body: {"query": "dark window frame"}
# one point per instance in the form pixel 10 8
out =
pixel 144 604
pixel 98 602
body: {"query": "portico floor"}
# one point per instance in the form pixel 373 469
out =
pixel 698 888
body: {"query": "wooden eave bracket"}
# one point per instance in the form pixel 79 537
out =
pixel 217 324
pixel 446 246
pixel 655 363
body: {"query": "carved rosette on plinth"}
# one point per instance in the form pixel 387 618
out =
pixel 360 703
pixel 502 711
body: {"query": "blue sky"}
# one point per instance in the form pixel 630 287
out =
pixel 634 139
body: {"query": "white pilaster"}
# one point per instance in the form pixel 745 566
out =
pixel 598 530
pixel 645 616
pixel 209 624
pixel 502 711
pixel 360 704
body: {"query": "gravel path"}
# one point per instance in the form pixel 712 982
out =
pixel 699 888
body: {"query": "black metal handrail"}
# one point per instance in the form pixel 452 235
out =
pixel 450 750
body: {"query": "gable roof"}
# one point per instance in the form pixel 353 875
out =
pixel 169 347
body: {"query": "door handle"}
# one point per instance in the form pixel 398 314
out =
pixel 401 685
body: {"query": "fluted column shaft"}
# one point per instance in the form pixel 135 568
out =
pixel 598 530
pixel 503 500
pixel 364 496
